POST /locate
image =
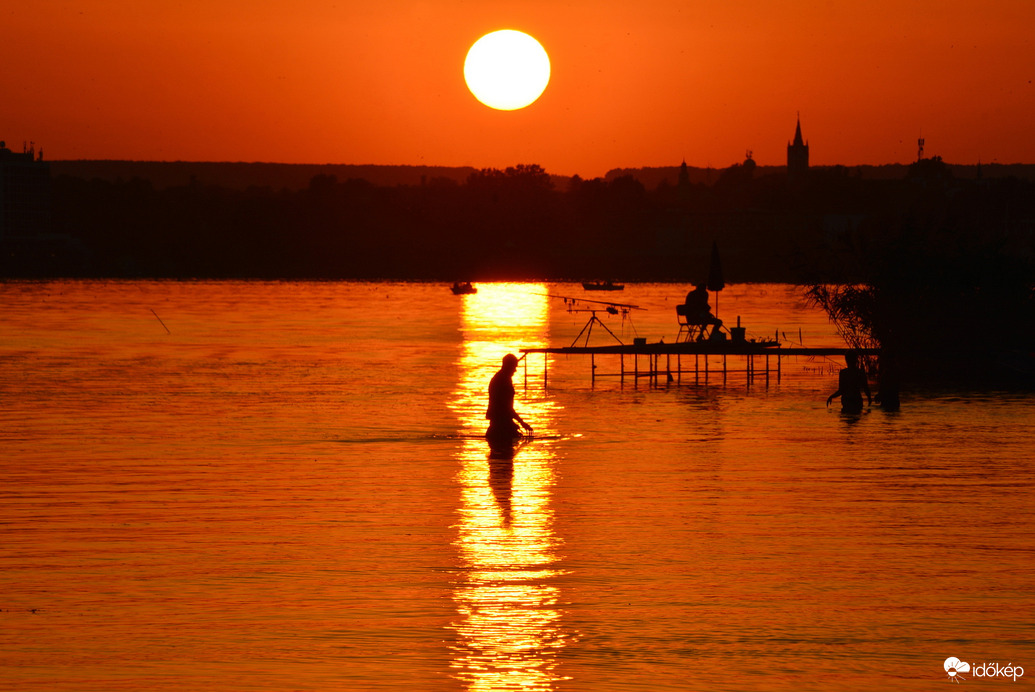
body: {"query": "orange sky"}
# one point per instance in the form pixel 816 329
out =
pixel 644 83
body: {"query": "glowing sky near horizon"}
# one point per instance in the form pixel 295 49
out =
pixel 647 84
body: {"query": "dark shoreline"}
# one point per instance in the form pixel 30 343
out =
pixel 436 224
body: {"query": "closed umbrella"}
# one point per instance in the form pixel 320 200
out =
pixel 715 282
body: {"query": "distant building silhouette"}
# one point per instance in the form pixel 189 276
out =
pixel 28 245
pixel 24 194
pixel 684 176
pixel 797 155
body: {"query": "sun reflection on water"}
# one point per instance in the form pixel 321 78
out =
pixel 509 629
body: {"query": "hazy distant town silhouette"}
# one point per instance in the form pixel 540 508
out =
pixel 792 223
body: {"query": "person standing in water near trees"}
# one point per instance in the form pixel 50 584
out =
pixel 851 383
pixel 501 413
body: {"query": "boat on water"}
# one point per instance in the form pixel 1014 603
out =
pixel 462 288
pixel 602 286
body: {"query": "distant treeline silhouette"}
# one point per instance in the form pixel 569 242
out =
pixel 239 175
pixel 517 224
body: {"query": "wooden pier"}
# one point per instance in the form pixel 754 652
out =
pixel 758 359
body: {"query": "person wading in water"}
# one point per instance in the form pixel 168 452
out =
pixel 501 413
pixel 851 383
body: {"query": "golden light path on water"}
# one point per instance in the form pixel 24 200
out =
pixel 509 630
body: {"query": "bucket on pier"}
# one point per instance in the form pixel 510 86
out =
pixel 738 333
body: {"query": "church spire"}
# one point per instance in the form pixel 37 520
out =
pixel 797 155
pixel 798 141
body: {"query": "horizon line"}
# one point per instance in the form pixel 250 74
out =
pixel 478 168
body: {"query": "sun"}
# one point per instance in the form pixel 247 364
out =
pixel 507 69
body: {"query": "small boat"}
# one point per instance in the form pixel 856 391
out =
pixel 462 288
pixel 602 286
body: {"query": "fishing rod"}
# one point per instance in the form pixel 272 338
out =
pixel 571 301
pixel 160 320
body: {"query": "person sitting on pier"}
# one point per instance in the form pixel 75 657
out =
pixel 698 312
pixel 851 383
pixel 501 413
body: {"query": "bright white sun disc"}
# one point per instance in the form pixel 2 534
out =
pixel 507 69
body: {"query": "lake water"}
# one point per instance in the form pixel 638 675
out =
pixel 282 486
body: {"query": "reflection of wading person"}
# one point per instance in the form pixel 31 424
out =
pixel 851 383
pixel 501 413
